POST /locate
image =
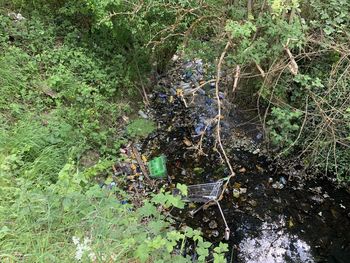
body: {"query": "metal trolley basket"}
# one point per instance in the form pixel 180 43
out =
pixel 209 193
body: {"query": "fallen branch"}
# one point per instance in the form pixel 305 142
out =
pixel 218 134
pixel 262 72
pixel 235 83
pixel 293 66
pixel 140 162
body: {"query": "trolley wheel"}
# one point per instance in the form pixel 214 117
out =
pixel 227 233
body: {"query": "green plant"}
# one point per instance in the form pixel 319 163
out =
pixel 140 128
pixel 68 85
pixel 84 223
pixel 284 124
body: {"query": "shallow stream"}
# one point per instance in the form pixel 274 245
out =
pixel 274 216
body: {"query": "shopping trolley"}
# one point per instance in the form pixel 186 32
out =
pixel 209 193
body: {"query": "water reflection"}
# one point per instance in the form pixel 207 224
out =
pixel 272 243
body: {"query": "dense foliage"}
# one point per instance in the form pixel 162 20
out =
pixel 69 68
pixel 292 54
pixel 65 90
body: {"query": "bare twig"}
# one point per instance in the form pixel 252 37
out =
pixel 136 9
pixel 140 162
pixel 145 97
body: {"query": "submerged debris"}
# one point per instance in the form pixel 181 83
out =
pixel 213 224
pixel 142 114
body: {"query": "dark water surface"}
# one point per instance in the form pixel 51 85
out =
pixel 272 218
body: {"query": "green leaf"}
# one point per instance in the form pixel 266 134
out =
pixel 170 246
pixel 67 203
pixel 142 252
pixel 156 226
pixel 159 198
pixel 182 188
pixel 205 244
pixel 158 242
pixel 4 231
pixel 221 248
pixel 218 258
pixel 202 251
pixel 189 232
pixel 201 258
pixel 147 209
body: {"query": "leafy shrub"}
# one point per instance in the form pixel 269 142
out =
pixel 284 125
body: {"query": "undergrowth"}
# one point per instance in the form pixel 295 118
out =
pixel 64 93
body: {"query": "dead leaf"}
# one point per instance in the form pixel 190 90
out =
pixel 236 185
pixel 50 93
pixel 133 167
pixel 290 222
pixel 192 205
pixel 179 92
pixel 260 169
pixel 242 170
pixel 187 142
